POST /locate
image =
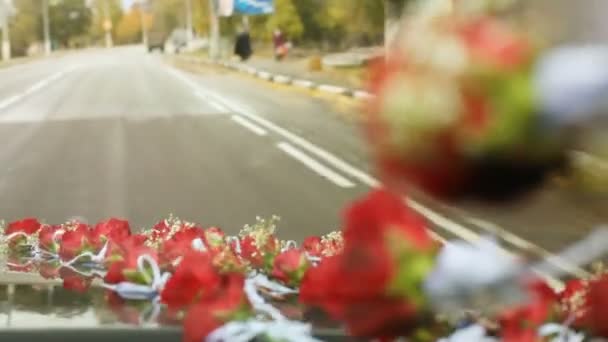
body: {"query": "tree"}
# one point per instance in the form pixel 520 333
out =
pixel 70 19
pixel 286 18
pixel 128 30
pixel 96 30
pixel 26 27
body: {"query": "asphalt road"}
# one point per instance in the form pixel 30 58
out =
pixel 103 133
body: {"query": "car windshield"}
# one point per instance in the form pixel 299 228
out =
pixel 301 170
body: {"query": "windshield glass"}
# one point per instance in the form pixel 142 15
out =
pixel 322 167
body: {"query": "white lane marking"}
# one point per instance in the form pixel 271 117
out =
pixel 7 102
pixel 439 220
pixel 36 87
pixel 282 79
pixel 314 165
pixel 218 106
pixel 210 102
pixel 303 83
pixel 249 125
pixel 332 89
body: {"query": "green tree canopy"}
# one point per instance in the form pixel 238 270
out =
pixel 70 19
pixel 26 26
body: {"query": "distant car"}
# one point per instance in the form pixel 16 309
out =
pixel 156 41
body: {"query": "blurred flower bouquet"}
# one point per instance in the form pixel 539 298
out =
pixel 383 277
pixel 469 106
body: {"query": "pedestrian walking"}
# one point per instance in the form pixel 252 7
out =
pixel 281 45
pixel 242 46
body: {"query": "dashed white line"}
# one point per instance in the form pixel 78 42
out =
pixel 314 165
pixel 36 87
pixel 249 125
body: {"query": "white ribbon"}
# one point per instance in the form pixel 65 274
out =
pixel 275 288
pixel 12 235
pixel 97 258
pixel 199 245
pixel 282 330
pixel 91 273
pixel 237 244
pixel 562 333
pixel 133 291
pixel 257 301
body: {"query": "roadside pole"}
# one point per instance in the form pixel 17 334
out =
pixel 392 15
pixel 189 26
pixel 107 24
pixel 6 40
pixel 46 27
pixel 144 29
pixel 214 44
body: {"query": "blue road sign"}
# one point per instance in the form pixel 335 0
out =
pixel 253 7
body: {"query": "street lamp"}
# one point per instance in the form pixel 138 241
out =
pixel 46 27
pixel 144 30
pixel 6 10
pixel 189 22
pixel 107 24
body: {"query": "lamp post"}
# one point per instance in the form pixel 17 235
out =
pixel 214 44
pixel 107 24
pixel 6 10
pixel 46 27
pixel 144 29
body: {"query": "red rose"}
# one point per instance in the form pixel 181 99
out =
pixel 259 252
pixel 114 274
pixel 595 314
pixel 74 241
pixel 290 266
pixel 225 260
pixel 250 252
pixel 374 285
pixel 225 305
pixel 48 237
pixel 73 281
pixel 495 43
pixel 125 267
pixel 179 244
pixel 160 230
pixel 49 270
pixel 521 323
pixel 371 219
pixel 28 226
pixel 111 230
pixel 194 277
pixel 312 246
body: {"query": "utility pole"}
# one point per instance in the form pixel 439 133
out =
pixel 6 40
pixel 46 27
pixel 189 26
pixel 392 15
pixel 214 20
pixel 144 29
pixel 107 24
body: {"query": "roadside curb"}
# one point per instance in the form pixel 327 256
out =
pixel 284 79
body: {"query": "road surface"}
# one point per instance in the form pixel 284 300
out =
pixel 103 133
